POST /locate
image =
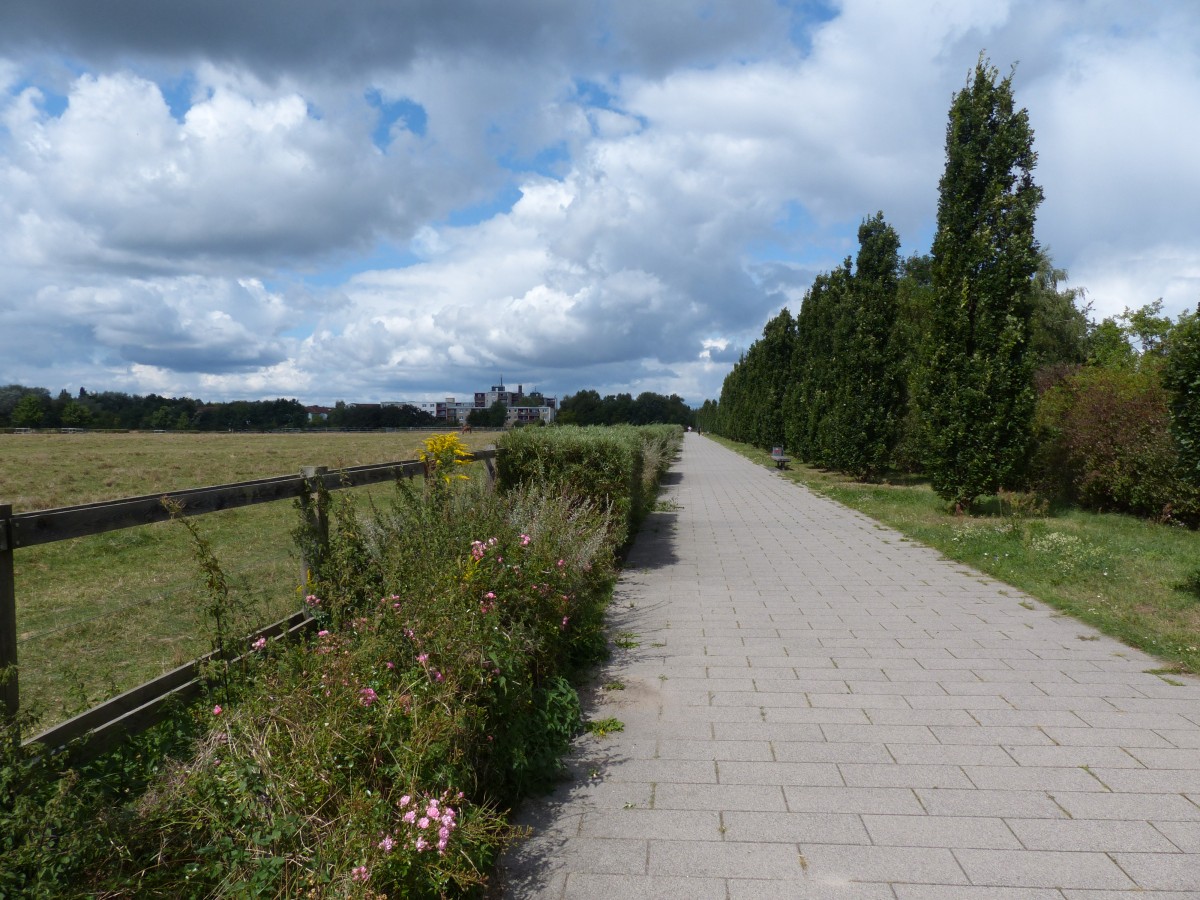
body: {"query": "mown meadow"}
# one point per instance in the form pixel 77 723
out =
pixel 378 758
pixel 98 615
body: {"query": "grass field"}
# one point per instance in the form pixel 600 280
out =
pixel 101 614
pixel 1136 580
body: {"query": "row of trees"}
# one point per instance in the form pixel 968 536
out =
pixel 972 363
pixel 587 407
pixel 34 407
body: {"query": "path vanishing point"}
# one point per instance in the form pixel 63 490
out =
pixel 816 707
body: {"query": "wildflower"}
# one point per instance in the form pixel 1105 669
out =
pixel 561 563
pixel 423 822
pixel 405 800
pixel 312 600
pixel 490 595
pixel 387 844
pixel 524 540
pixel 389 665
pixel 367 696
pixel 423 658
pixel 359 874
pixel 216 710
pixel 421 844
pixel 410 816
pixel 565 620
pixel 437 676
pixel 259 644
pixel 324 632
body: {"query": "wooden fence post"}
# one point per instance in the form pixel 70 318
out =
pixel 8 617
pixel 318 523
pixel 490 465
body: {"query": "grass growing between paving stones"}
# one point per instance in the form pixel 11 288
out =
pixel 1130 578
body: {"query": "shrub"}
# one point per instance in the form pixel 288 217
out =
pixel 1105 442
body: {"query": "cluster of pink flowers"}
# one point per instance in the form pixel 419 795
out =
pixel 488 603
pixel 359 874
pixel 259 644
pixel 525 540
pixel 431 822
pixel 367 696
pixel 313 601
pixel 479 548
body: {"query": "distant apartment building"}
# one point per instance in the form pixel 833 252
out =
pixel 453 411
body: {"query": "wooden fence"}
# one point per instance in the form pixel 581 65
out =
pixel 143 706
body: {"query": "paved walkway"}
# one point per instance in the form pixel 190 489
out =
pixel 818 708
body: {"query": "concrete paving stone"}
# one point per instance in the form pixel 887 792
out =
pixel 1160 807
pixel 1034 778
pixel 672 749
pixel 808 888
pixel 1166 759
pixel 1150 781
pixel 725 859
pixel 920 717
pixel 1184 738
pixel 1105 737
pixel 851 862
pixel 857 701
pixel 1037 868
pixel 1070 704
pixel 1001 803
pixel 1090 835
pixel 1135 720
pixel 1184 835
pixel 795 827
pixel 1034 718
pixel 753 797
pixel 681 771
pixel 969 702
pixel 585 886
pixel 819 751
pixel 799 698
pixel 1010 735
pixel 781 773
pixel 901 688
pixel 774 731
pixel 659 824
pixel 895 801
pixel 964 892
pixel 941 831
pixel 1185 706
pixel 979 687
pixel 873 734
pixel 1110 757
pixel 950 755
pixel 1161 871
pixel 1136 894
pixel 911 776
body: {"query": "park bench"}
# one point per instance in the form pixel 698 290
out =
pixel 779 459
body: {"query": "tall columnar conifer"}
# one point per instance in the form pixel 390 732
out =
pixel 976 393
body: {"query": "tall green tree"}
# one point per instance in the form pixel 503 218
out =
pixel 1181 377
pixel 976 386
pixel 870 395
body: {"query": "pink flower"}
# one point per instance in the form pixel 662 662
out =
pixel 216 710
pixel 323 633
pixel 561 563
pixel 489 596
pixel 405 800
pixel 359 874
pixel 565 620
pixel 524 540
pixel 423 658
pixel 312 600
pixel 410 816
pixel 259 644
pixel 387 844
pixel 367 696
pixel 421 844
pixel 423 822
pixel 437 676
pixel 389 665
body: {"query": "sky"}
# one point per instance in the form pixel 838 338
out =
pixel 412 199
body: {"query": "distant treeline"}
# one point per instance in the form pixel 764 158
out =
pixel 34 407
pixel 589 408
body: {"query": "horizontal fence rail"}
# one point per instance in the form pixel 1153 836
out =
pixel 145 705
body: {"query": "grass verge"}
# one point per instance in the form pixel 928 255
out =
pixel 1128 577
